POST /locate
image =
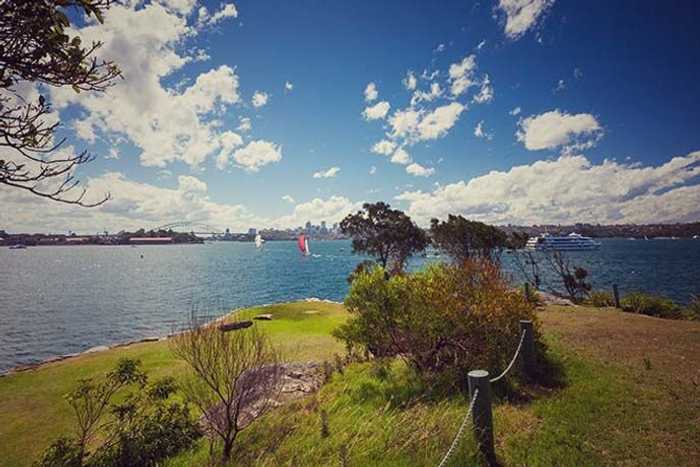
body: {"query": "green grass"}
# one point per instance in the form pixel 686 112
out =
pixel 590 421
pixel 604 414
pixel 33 411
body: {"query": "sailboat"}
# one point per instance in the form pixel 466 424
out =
pixel 259 241
pixel 303 244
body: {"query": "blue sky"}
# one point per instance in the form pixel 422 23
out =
pixel 605 130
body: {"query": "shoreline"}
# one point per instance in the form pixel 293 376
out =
pixel 103 348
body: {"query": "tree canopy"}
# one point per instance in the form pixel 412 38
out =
pixel 36 49
pixel 463 239
pixel 387 234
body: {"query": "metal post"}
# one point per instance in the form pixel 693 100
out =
pixel 616 294
pixel 528 350
pixel 527 291
pixel 481 413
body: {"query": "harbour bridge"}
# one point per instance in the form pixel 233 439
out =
pixel 198 228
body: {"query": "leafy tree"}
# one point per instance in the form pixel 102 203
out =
pixel 463 239
pixel 36 47
pixel 387 234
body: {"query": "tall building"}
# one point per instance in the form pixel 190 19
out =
pixel 308 227
pixel 252 232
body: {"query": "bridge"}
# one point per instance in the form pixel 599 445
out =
pixel 198 228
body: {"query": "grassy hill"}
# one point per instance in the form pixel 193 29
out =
pixel 630 397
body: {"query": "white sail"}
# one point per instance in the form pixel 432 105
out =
pixel 306 247
pixel 259 241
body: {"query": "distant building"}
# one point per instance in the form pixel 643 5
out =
pixel 324 229
pixel 252 232
pixel 308 227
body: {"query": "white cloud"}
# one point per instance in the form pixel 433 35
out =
pixel 288 86
pixel 288 199
pixel 410 82
pixel 481 45
pixel 561 85
pixel 521 15
pixel 229 141
pixel 554 128
pixel 165 124
pixel 417 125
pixel 371 92
pixel 568 190
pixel 462 75
pixel 479 132
pixel 418 170
pixel 259 99
pixel 426 96
pixel 440 48
pixel 400 156
pixel 438 122
pixel 257 154
pixel 578 74
pixel 377 111
pixel 515 111
pixel 384 147
pixel 330 173
pixel 133 205
pixel 331 210
pixel 485 93
pixel 189 184
pixel 227 11
pixel 372 170
pixel 113 154
pixel 244 124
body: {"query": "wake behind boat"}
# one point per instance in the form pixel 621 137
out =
pixel 571 242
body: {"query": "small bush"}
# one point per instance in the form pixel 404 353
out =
pixel 692 311
pixel 601 299
pixel 651 305
pixel 444 321
pixel 143 428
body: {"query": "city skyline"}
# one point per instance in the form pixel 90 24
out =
pixel 272 114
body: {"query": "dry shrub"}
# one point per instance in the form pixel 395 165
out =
pixel 444 321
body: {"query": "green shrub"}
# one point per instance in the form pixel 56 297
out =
pixel 142 429
pixel 692 311
pixel 444 321
pixel 652 305
pixel 601 299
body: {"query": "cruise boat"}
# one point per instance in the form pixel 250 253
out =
pixel 571 242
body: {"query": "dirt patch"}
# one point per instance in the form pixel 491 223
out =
pixel 311 312
pixel 669 346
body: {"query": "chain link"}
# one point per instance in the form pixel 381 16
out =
pixel 512 362
pixel 460 432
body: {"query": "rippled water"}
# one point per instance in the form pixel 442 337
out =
pixel 58 300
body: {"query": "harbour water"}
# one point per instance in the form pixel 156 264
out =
pixel 60 300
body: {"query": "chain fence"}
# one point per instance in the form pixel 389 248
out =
pixel 512 362
pixel 465 421
pixel 460 432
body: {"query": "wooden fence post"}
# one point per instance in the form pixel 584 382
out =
pixel 481 413
pixel 616 295
pixel 527 292
pixel 528 349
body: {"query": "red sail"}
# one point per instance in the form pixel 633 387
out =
pixel 301 243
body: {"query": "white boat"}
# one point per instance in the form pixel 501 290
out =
pixel 571 242
pixel 259 241
pixel 19 246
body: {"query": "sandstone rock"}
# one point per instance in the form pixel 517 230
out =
pixel 226 327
